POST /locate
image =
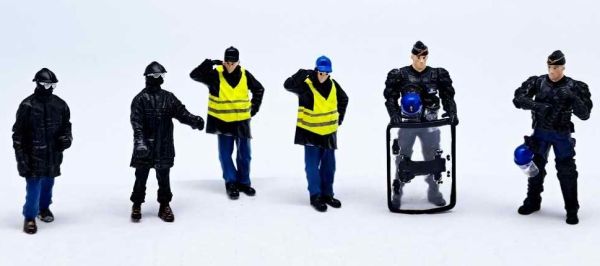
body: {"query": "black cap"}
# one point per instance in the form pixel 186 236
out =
pixel 232 54
pixel 45 75
pixel 154 68
pixel 557 58
pixel 420 49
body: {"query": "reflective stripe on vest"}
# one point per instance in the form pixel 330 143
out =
pixel 323 118
pixel 233 104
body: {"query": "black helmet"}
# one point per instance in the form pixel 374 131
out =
pixel 232 54
pixel 45 75
pixel 154 68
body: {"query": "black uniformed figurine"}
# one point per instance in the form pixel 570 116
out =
pixel 40 135
pixel 152 113
pixel 552 98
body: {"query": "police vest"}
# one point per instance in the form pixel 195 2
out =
pixel 233 104
pixel 323 118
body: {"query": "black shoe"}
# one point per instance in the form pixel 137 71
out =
pixel 232 190
pixel 30 227
pixel 528 207
pixel 165 213
pixel 318 203
pixel 331 201
pixel 572 218
pixel 246 189
pixel 46 216
pixel 136 212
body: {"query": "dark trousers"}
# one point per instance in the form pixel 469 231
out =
pixel 39 196
pixel 564 151
pixel 139 188
pixel 230 173
pixel 320 169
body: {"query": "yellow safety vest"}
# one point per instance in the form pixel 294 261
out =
pixel 233 104
pixel 323 118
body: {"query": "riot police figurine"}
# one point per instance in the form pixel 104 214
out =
pixel 421 88
pixel 552 98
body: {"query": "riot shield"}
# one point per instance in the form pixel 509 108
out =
pixel 421 166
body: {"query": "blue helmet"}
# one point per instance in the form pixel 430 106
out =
pixel 523 155
pixel 411 104
pixel 323 64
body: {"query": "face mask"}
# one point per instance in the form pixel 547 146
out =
pixel 154 81
pixel 48 85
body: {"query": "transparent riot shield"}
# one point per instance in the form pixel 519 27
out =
pixel 421 166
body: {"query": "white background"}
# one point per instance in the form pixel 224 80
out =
pixel 99 49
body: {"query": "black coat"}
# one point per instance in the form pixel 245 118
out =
pixel 433 83
pixel 152 113
pixel 41 133
pixel 205 74
pixel 297 85
pixel 551 111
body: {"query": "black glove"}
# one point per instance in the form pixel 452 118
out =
pixel 542 108
pixel 396 120
pixel 141 151
pixel 64 143
pixel 301 75
pixel 253 110
pixel 23 168
pixel 199 123
pixel 452 117
pixel 216 62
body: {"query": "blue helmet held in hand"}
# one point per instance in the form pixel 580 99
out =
pixel 523 155
pixel 411 104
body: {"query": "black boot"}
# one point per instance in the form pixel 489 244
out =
pixel 530 206
pixel 30 227
pixel 232 190
pixel 46 216
pixel 318 203
pixel 331 201
pixel 246 189
pixel 165 213
pixel 136 212
pixel 572 218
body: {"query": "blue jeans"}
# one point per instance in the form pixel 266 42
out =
pixel 39 196
pixel 230 173
pixel 320 169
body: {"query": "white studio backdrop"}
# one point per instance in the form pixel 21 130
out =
pixel 99 49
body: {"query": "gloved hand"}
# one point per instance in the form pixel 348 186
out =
pixel 453 118
pixel 253 110
pixel 23 168
pixel 301 75
pixel 217 62
pixel 64 143
pixel 396 120
pixel 542 108
pixel 141 151
pixel 199 123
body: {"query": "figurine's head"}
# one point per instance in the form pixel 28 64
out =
pixel 155 73
pixel 232 59
pixel 556 65
pixel 419 56
pixel 323 68
pixel 45 79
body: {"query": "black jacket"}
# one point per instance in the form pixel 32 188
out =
pixel 205 74
pixel 297 85
pixel 431 82
pixel 550 110
pixel 152 111
pixel 41 133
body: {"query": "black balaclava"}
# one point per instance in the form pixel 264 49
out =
pixel 154 83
